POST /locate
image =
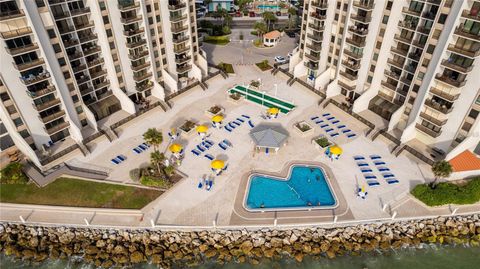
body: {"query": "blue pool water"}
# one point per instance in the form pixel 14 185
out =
pixel 267 6
pixel 306 187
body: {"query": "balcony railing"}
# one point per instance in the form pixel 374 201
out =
pixel 471 53
pixel 87 38
pixel 79 11
pixel 414 56
pixel 75 56
pixel 95 62
pixel 403 39
pixel 438 107
pixel 419 43
pixel 135 44
pixel 100 85
pixel 138 55
pixel 183 60
pixel 461 32
pixel 43 106
pixel 320 4
pixel 392 74
pixel 181 49
pixel 345 86
pixel 317 16
pixel 358 31
pixel 144 86
pixel 31 79
pixel 399 51
pixel 432 119
pixel 98 74
pixel 395 63
pixel 70 43
pixel 129 20
pixel 348 75
pixel 139 78
pixel 11 14
pixel 317 38
pixel 428 15
pixel 184 69
pixel 428 131
pixel 312 57
pixel 457 67
pixel 128 6
pixel 316 48
pixel 57 128
pixel 359 43
pixel 316 27
pixel 29 65
pixel 177 18
pixel 450 81
pixel 424 30
pixel 412 11
pixel 364 19
pixel 16 33
pixel 133 32
pixel 352 54
pixel 93 50
pixel 469 15
pixel 21 50
pixel 177 6
pixel 365 6
pixel 140 66
pixel 177 30
pixel 351 65
pixel 389 85
pixel 180 39
pixel 84 26
pixel 311 65
pixel 40 93
pixel 408 25
pixel 53 116
pixel 450 95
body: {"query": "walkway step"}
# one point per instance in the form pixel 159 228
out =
pixel 203 85
pixel 83 149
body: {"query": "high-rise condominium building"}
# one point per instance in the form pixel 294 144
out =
pixel 411 65
pixel 69 65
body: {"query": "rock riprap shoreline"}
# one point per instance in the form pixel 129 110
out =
pixel 109 247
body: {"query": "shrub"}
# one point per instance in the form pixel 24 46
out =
pixel 257 42
pixel 226 30
pixel 227 68
pixel 169 170
pixel 241 36
pixel 449 193
pixel 323 142
pixel 135 174
pixel 13 174
pixel 303 127
pixel 255 83
pixel 264 65
pixel 253 33
pixel 217 40
pixel 155 182
pixel 235 96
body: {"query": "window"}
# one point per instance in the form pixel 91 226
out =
pixel 102 5
pixel 24 133
pixel 339 5
pixel 385 19
pixel 158 18
pixel 336 16
pixel 473 113
pixel 18 122
pixel 62 62
pixel 66 75
pixel 372 68
pixel 117 68
pixel 421 75
pixel 4 96
pixel 150 20
pixel 345 7
pixel 149 8
pixel 75 98
pixel 436 34
pixel 79 109
pixel 57 48
pixel 466 126
pixel 375 56
pixel 51 33
pixel 40 3
pixel 112 45
pixel 105 19
pixel 84 122
pixel 430 49
pixel 442 18
pixel 369 79
pixel 389 5
pixel 109 32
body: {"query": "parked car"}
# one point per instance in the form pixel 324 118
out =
pixel 280 59
pixel 291 34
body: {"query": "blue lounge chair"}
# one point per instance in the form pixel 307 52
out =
pixel 362 164
pixel 314 118
pixel 328 130
pixel 200 183
pixel 389 175
pixel 210 157
pixel 392 181
pixel 145 145
pixel 231 125
pixel 202 149
pixel 142 147
pixel 226 142
pixel 331 118
pixel 137 150
pixel 209 184
pixel 366 170
pixel 351 135
pixel 195 152
pixel 210 142
pixel 383 169
pixel 240 120
pixel 358 158
pixel 114 161
pixel 222 146
pixel 346 131
pixel 326 114
pixel 319 121
pixel 207 146
pixel 251 124
pixel 341 126
pixel 370 176
pixel 228 128
pixel 225 168
pixel 324 125
pixel 237 123
pixel 335 121
pixel 266 150
pixel 372 183
pixel 121 158
pixel 379 163
pixel 334 134
pixel 245 116
pixel 375 157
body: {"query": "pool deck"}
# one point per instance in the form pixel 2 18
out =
pixel 186 205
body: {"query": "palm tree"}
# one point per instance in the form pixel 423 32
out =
pixel 260 27
pixel 153 137
pixel 269 18
pixel 157 158
pixel 440 169
pixel 292 12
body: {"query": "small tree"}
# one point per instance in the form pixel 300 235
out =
pixel 269 18
pixel 157 158
pixel 440 169
pixel 292 13
pixel 153 137
pixel 260 27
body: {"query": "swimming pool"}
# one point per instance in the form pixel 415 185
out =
pixel 305 187
pixel 276 7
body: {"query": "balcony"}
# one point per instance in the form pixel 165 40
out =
pixel 438 107
pixel 86 91
pixel 180 39
pixel 74 56
pixel 139 78
pixel 133 32
pixel 407 25
pixel 316 27
pixel 95 62
pixel 179 50
pixel 397 64
pixel 23 49
pixel 432 119
pixel 83 79
pixel 29 65
pixel 128 6
pixel 132 45
pixel 52 117
pixel 389 85
pixel 471 16
pixel 365 6
pixel 359 43
pixel 312 57
pixel 129 20
pixel 40 93
pixel 317 38
pixel 317 16
pixel 360 18
pixel 11 14
pixel 415 56
pixel 358 31
pixel 98 74
pixel 345 86
pixel 178 18
pixel 399 51
pixel 79 11
pixel 48 104
pixel 65 29
pixel 91 51
pixel 352 54
pixel 428 15
pixel 471 53
pixel 311 65
pixel 87 38
pixel 177 30
pixel 182 60
pixel 449 96
pixel 424 30
pixel 101 85
pixel 320 4
pixel 83 26
pixel 16 33
pixel 411 11
pixel 457 67
pixel 461 32
pixel 392 74
pixel 144 86
pixel 57 128
pixel 184 69
pixel 419 43
pixel 138 55
pixel 351 65
pixel 176 6
pixel 316 48
pixel 349 76
pixel 70 43
pixel 428 131
pixel 450 81
pixel 402 39
pixel 32 79
pixel 140 66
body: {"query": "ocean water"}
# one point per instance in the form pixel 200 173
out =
pixel 306 186
pixel 429 257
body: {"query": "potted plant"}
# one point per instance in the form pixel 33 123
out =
pixel 235 97
pixel 214 110
pixel 303 128
pixel 188 127
pixel 255 84
pixel 321 142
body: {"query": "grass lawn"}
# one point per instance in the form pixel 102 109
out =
pixel 81 193
pixel 264 66
pixel 217 40
pixel 449 193
pixel 227 68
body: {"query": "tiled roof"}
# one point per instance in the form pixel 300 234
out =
pixel 272 34
pixel 465 161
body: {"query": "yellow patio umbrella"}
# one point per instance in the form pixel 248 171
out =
pixel 175 148
pixel 273 110
pixel 202 129
pixel 217 164
pixel 336 150
pixel 217 118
